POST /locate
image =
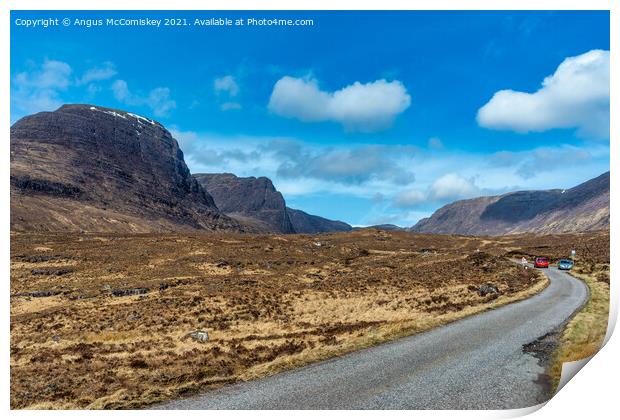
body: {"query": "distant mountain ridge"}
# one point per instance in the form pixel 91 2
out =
pixel 255 201
pixel 384 226
pixel 578 209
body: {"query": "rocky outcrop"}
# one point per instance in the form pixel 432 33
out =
pixel 89 168
pixel 579 209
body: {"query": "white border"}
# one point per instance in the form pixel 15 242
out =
pixel 591 395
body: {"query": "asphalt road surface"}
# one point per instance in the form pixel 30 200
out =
pixel 474 363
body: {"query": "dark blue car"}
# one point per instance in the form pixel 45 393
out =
pixel 565 264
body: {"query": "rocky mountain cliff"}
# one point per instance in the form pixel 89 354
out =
pixel 91 168
pixel 253 198
pixel 582 208
pixel 255 201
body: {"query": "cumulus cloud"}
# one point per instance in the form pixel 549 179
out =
pixel 157 99
pixel 121 91
pixel 226 88
pixel 226 84
pixel 447 187
pixel 576 95
pixel 52 74
pixel 453 186
pixel 96 74
pixel 39 88
pixel 358 107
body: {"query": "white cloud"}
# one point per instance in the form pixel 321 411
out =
pixel 121 91
pixel 575 96
pixel 39 89
pixel 363 171
pixel 228 106
pixel 445 188
pixel 213 153
pixel 97 74
pixel 52 75
pixel 157 99
pixel 358 107
pixel 352 165
pixel 453 186
pixel 226 88
pixel 409 198
pixel 226 85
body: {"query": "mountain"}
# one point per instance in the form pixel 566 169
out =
pixel 582 208
pixel 248 198
pixel 386 226
pixel 307 223
pixel 89 168
pixel 255 201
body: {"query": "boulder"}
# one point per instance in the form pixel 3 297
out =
pixel 200 336
pixel 488 289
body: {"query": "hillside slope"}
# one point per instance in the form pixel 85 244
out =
pixel 579 209
pixel 308 223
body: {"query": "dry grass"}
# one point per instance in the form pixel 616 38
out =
pixel 584 334
pixel 395 329
pixel 268 303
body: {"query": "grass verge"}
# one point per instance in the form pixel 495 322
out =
pixel 584 334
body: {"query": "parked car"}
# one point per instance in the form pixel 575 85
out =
pixel 565 264
pixel 541 262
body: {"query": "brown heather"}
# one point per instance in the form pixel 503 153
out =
pixel 101 320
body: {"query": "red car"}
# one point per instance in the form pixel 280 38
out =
pixel 541 262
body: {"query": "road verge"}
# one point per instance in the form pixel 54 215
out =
pixel 583 335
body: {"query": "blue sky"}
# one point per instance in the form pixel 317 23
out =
pixel 366 117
